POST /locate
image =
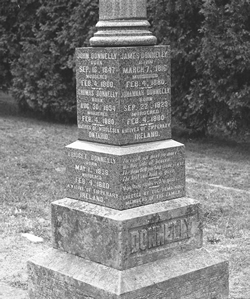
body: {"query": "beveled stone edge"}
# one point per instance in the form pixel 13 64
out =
pixel 128 214
pixel 136 40
pixel 122 48
pixel 120 282
pixel 123 23
pixel 124 225
pixel 124 150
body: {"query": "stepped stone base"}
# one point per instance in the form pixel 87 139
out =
pixel 128 238
pixel 192 275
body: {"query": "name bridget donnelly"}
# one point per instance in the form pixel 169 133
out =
pixel 160 234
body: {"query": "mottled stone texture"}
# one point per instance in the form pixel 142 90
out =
pixel 122 9
pixel 123 94
pixel 125 177
pixel 125 230
pixel 125 239
pixel 192 275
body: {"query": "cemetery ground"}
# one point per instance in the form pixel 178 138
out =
pixel 32 176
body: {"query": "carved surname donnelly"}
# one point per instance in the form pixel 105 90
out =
pixel 91 157
pixel 145 54
pixel 96 55
pixel 160 234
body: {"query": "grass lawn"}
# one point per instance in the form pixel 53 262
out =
pixel 32 176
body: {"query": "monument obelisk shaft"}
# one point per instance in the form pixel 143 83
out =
pixel 125 229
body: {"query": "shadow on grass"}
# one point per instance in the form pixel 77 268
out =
pixel 227 147
pixel 8 106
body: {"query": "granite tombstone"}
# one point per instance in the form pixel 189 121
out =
pixel 125 229
pixel 123 94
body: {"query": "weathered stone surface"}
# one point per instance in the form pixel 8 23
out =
pixel 125 239
pixel 123 94
pixel 192 275
pixel 122 23
pixel 125 230
pixel 125 177
pixel 122 9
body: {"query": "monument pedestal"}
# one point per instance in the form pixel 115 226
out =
pixel 124 177
pixel 191 275
pixel 126 229
pixel 147 252
pixel 128 238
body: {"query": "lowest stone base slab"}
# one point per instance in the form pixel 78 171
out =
pixel 193 275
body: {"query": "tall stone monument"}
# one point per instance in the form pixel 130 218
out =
pixel 126 229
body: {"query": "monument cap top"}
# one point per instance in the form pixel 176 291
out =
pixel 122 23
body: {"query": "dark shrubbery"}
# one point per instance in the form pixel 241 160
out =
pixel 221 90
pixel 43 77
pixel 210 41
pixel 177 22
pixel 16 21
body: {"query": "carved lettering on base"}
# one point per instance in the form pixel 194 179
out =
pixel 159 234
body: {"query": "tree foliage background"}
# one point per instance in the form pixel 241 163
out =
pixel 210 42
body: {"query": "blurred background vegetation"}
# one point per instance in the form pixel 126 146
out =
pixel 210 42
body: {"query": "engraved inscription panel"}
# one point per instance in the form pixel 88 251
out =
pixel 153 176
pixel 123 94
pixel 126 181
pixel 90 177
